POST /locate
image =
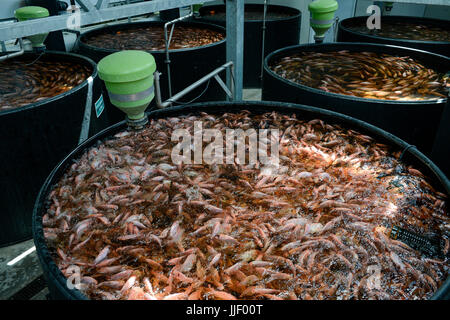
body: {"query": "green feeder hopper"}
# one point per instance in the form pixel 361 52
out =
pixel 128 77
pixel 33 12
pixel 322 17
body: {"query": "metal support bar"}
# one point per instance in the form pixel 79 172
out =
pixel 101 4
pixel 167 40
pixel 14 30
pixel 224 86
pixel 14 54
pixel 157 88
pixel 188 89
pixel 86 5
pixel 89 7
pixel 129 18
pixel 335 28
pixel 235 44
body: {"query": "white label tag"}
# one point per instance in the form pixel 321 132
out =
pixel 99 106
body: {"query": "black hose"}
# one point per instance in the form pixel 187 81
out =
pixel 428 246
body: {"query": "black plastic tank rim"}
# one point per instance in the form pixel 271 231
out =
pixel 61 95
pixel 350 45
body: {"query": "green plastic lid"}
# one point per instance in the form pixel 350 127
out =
pixel 322 6
pixel 126 66
pixel 31 12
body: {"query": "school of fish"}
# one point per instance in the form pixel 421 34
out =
pixel 151 38
pixel 139 227
pixel 25 80
pixel 367 75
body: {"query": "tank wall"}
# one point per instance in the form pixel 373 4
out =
pixel 441 147
pixel 346 35
pixel 280 33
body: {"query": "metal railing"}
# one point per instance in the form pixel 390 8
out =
pixel 14 54
pixel 167 40
pixel 214 74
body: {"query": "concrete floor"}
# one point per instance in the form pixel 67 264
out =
pixel 14 278
pixel 251 94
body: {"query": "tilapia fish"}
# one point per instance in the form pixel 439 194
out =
pixel 151 38
pixel 137 226
pixel 27 80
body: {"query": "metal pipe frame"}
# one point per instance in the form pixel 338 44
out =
pixel 214 74
pixel 263 38
pixel 14 54
pixel 235 45
pixel 167 40
pixel 93 14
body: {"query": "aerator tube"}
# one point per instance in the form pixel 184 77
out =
pixel 167 40
pixel 428 246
